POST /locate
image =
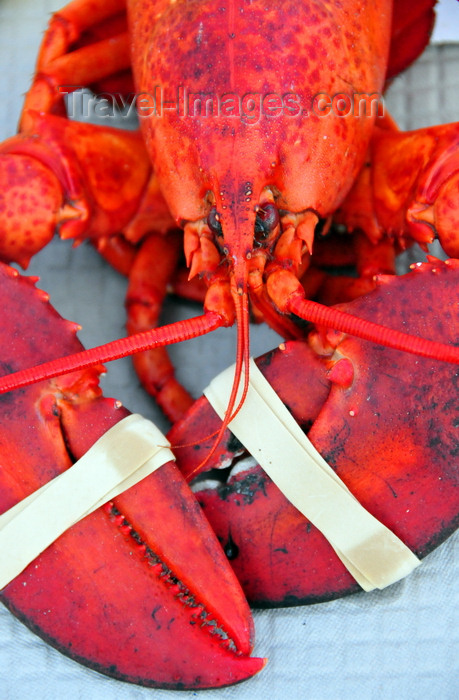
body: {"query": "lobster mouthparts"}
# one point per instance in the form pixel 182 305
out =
pixel 139 590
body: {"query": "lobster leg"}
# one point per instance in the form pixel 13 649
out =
pixel 410 186
pixel 120 254
pixel 59 66
pixel 370 259
pixel 85 181
pixel 191 290
pixel 117 251
pixel 148 279
pixel 63 175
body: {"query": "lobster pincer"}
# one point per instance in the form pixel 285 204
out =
pixel 385 423
pixel 140 589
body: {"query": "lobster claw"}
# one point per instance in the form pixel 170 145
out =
pixel 140 589
pixel 384 421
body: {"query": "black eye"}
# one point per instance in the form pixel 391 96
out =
pixel 213 222
pixel 265 223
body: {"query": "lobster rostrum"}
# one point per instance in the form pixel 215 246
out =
pixel 249 194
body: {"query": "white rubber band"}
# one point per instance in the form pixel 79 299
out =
pixel 373 554
pixel 127 453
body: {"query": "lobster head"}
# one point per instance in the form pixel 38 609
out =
pixel 252 124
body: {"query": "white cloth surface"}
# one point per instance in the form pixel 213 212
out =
pixel 399 643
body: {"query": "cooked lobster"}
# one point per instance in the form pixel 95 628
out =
pixel 248 192
pixel 250 196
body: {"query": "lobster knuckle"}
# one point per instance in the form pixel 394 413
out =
pixel 282 286
pixel 115 175
pixel 30 196
pixel 401 161
pixel 103 172
pixel 342 373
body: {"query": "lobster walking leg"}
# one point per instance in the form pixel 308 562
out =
pixel 121 254
pixel 118 252
pixel 368 258
pixel 58 66
pixel 148 279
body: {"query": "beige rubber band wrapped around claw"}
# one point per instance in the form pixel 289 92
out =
pixel 370 551
pixel 127 453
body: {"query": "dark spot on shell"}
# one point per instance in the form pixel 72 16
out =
pixel 230 548
pixel 248 486
pixel 234 445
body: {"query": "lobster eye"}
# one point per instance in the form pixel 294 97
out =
pixel 213 222
pixel 265 223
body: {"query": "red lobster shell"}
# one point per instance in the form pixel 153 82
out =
pixel 314 616
pixel 136 589
pixel 388 426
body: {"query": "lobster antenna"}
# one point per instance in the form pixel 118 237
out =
pixel 201 325
pixel 243 326
pixel 368 330
pixel 115 350
pixel 242 360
